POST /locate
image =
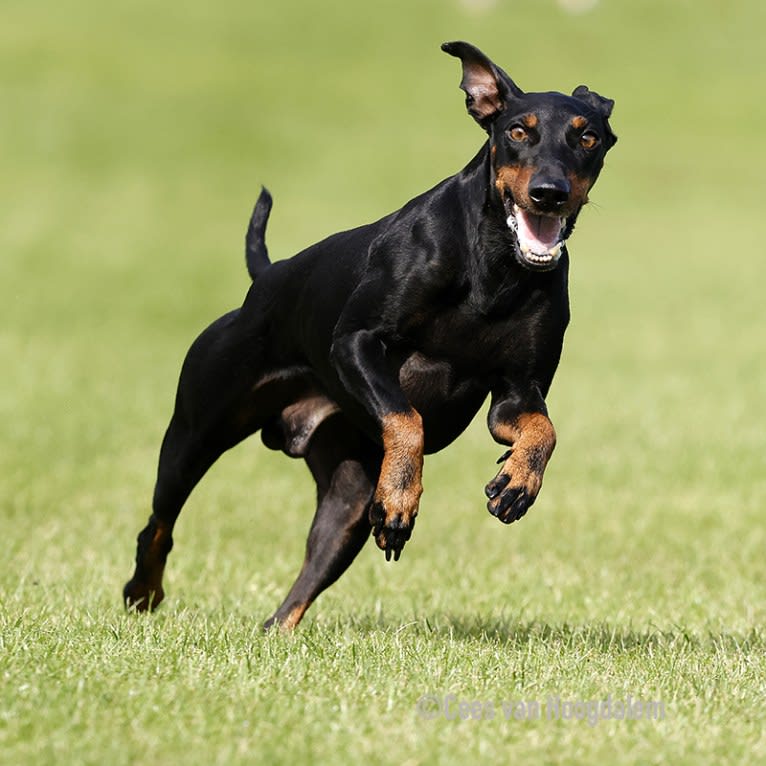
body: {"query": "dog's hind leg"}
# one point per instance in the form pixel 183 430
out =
pixel 183 462
pixel 345 466
pixel 213 412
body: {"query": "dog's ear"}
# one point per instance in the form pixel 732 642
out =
pixel 488 88
pixel 593 100
pixel 602 105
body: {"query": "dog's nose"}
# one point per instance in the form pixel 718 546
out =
pixel 550 194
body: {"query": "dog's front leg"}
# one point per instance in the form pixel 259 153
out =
pixel 519 419
pixel 360 358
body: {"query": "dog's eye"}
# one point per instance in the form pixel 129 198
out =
pixel 518 133
pixel 589 140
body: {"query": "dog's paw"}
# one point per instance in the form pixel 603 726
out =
pixel 141 597
pixel 510 499
pixel 391 531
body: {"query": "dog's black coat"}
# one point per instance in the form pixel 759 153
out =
pixel 380 344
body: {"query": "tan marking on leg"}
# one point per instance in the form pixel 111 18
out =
pixel 160 534
pixel 154 561
pixel 294 617
pixel 144 591
pixel 532 439
pixel 301 419
pixel 400 482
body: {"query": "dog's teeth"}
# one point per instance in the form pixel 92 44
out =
pixel 555 251
pixel 525 249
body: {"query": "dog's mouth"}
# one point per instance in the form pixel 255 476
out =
pixel 539 238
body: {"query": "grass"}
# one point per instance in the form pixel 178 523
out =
pixel 208 688
pixel 134 141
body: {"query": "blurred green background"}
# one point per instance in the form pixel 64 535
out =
pixel 134 138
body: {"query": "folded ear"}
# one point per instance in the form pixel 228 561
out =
pixel 602 105
pixel 590 97
pixel 488 88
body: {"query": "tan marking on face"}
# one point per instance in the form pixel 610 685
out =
pixel 400 481
pixel 532 439
pixel 529 120
pixel 579 122
pixel 580 186
pixel 513 181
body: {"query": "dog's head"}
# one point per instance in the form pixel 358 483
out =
pixel 546 150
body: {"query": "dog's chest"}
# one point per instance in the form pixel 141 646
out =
pixel 468 345
pixel 428 380
pixel 446 398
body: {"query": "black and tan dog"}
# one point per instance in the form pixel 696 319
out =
pixel 378 345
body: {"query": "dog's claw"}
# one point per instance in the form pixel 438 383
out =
pixel 389 536
pixel 497 485
pixel 392 544
pixel 521 505
pixel 508 504
pixel 504 457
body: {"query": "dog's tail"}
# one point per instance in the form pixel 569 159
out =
pixel 256 252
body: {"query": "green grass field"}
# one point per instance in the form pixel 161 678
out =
pixel 134 141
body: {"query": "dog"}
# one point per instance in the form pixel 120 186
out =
pixel 380 344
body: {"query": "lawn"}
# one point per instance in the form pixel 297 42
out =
pixel 622 621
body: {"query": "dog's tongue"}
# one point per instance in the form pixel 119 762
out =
pixel 538 233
